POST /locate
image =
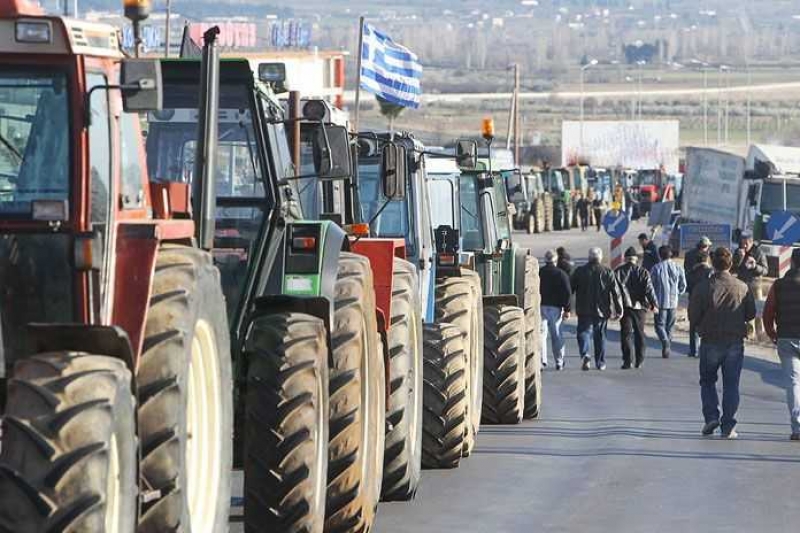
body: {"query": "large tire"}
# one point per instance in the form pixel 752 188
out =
pixel 445 420
pixel 504 364
pixel 459 302
pixel 530 223
pixel 185 397
pixel 69 459
pixel 548 213
pixel 358 402
pixel 527 291
pixel 402 463
pixel 286 441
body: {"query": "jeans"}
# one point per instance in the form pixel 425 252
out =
pixel 592 328
pixel 551 322
pixel 730 357
pixel 694 341
pixel 633 339
pixel 789 352
pixel 665 321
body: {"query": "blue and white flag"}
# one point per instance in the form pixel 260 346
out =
pixel 389 70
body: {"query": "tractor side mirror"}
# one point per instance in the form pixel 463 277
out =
pixel 273 75
pixel 467 154
pixel 340 159
pixel 393 172
pixel 142 85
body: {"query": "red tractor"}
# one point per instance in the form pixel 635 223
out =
pixel 116 392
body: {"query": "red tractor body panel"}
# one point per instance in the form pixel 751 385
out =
pixel 381 254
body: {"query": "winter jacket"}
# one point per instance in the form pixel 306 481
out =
pixel 597 291
pixel 700 272
pixel 638 287
pixel 565 263
pixel 783 307
pixel 690 261
pixel 749 275
pixel 669 281
pixel 721 307
pixel 555 288
pixel 650 257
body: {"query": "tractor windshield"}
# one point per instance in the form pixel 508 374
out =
pixel 34 139
pixel 392 219
pixel 471 227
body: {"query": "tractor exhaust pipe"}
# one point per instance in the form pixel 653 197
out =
pixel 207 137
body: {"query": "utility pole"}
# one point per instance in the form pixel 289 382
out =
pixel 727 107
pixel 167 30
pixel 517 125
pixel 705 105
pixel 749 104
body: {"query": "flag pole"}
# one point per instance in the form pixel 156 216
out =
pixel 357 110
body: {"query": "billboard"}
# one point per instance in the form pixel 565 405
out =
pixel 632 144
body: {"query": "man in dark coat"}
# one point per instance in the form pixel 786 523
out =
pixel 565 261
pixel 750 264
pixel 639 297
pixel 700 272
pixel 598 298
pixel 556 293
pixel 650 252
pixel 693 255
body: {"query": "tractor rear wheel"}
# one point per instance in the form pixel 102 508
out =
pixel 527 290
pixel 445 417
pixel 286 441
pixel 69 458
pixel 185 397
pixel 504 364
pixel 402 462
pixel 459 302
pixel 357 400
pixel 530 223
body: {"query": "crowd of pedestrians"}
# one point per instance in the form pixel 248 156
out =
pixel 722 286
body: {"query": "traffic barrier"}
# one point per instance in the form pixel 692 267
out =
pixel 616 253
pixel 784 260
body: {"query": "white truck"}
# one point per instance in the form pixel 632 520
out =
pixel 724 188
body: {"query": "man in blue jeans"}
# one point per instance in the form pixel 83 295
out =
pixel 669 282
pixel 720 309
pixel 556 294
pixel 598 298
pixel 782 324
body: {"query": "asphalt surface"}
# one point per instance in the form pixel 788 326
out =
pixel 620 451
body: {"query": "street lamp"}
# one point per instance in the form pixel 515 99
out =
pixel 704 68
pixel 584 68
pixel 722 69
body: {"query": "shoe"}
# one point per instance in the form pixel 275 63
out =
pixel 710 428
pixel 795 436
pixel 601 367
pixel 586 364
pixel 544 364
pixel 625 366
pixel 559 366
pixel 730 435
pixel 639 364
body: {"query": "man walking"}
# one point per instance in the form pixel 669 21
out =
pixel 700 272
pixel 638 297
pixel 693 255
pixel 750 264
pixel 556 294
pixel 650 257
pixel 783 310
pixel 565 261
pixel 583 211
pixel 598 299
pixel 669 282
pixel 720 309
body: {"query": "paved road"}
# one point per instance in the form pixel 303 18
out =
pixel 620 452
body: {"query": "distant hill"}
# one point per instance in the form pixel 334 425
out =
pixel 197 8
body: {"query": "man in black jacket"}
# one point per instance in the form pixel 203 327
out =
pixel 556 293
pixel 638 297
pixel 650 256
pixel 598 299
pixel 700 272
pixel 693 255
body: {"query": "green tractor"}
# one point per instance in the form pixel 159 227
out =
pixel 533 206
pixel 475 234
pixel 308 365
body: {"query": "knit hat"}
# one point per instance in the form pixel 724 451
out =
pixel 631 252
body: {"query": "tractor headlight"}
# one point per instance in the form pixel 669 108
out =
pixel 34 31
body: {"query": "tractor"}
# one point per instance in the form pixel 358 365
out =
pixel 116 390
pixel 308 367
pixel 480 239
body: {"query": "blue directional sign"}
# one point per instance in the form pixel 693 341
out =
pixel 783 228
pixel 616 223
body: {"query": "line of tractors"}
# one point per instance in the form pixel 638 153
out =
pixel 198 276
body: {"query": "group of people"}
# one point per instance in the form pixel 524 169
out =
pixel 722 286
pixel 591 203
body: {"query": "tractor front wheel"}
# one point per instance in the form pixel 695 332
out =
pixel 504 364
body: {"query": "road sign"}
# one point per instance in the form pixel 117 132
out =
pixel 719 234
pixel 661 214
pixel 783 228
pixel 616 223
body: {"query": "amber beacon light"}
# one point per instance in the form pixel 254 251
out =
pixel 487 129
pixel 137 10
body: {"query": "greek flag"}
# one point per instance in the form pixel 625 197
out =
pixel 389 70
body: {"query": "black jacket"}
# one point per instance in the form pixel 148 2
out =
pixel 748 275
pixel 597 291
pixel 565 263
pixel 555 287
pixel 787 295
pixel 650 257
pixel 690 261
pixel 697 275
pixel 638 287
